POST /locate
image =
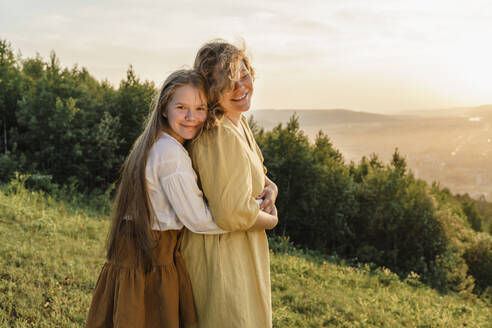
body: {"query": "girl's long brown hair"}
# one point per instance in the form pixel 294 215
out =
pixel 132 204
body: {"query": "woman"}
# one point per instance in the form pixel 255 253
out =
pixel 144 282
pixel 230 273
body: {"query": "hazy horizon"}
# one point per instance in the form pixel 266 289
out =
pixel 382 57
pixel 396 112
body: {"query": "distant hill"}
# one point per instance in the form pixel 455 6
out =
pixel 482 111
pixel 309 118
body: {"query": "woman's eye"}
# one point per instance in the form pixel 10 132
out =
pixel 245 77
pixel 244 74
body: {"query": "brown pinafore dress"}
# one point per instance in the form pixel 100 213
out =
pixel 126 296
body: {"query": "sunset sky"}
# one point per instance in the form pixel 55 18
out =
pixel 379 56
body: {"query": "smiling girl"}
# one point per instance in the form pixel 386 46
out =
pixel 144 282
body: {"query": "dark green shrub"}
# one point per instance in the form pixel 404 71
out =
pixel 396 225
pixel 449 271
pixel 42 182
pixel 8 166
pixel 472 215
pixel 478 256
pixel 316 192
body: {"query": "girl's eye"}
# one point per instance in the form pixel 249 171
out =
pixel 202 108
pixel 180 107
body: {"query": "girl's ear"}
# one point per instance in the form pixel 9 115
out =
pixel 164 114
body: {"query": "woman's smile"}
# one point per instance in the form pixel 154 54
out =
pixel 241 97
pixel 238 100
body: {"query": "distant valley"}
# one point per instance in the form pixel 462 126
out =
pixel 452 146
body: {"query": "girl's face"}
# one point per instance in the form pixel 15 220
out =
pixel 238 99
pixel 185 113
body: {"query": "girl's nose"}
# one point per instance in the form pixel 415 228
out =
pixel 189 114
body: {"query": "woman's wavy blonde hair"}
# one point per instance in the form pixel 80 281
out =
pixel 219 62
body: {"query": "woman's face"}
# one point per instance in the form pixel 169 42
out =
pixel 185 113
pixel 238 99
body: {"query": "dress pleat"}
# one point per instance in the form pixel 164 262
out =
pixel 127 296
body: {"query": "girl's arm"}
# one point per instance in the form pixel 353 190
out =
pixel 186 198
pixel 170 175
pixel 187 201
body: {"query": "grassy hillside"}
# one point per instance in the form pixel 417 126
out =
pixel 51 254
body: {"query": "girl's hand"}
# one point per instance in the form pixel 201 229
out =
pixel 269 196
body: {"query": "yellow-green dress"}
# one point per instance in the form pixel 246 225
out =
pixel 230 273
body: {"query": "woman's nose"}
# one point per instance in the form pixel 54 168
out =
pixel 237 85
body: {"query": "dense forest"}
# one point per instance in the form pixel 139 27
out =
pixel 67 132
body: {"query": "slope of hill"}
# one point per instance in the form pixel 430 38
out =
pixel 51 254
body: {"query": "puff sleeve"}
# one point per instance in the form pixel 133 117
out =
pixel 187 201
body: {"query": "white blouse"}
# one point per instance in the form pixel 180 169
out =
pixel 173 189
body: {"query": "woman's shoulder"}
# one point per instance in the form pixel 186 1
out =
pixel 216 135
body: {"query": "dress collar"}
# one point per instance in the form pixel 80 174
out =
pixel 241 125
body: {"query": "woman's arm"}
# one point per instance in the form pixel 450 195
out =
pixel 220 159
pixel 265 221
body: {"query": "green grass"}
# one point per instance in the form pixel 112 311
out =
pixel 51 254
pixel 310 293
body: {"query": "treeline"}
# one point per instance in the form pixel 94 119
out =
pixel 65 125
pixel 65 128
pixel 375 212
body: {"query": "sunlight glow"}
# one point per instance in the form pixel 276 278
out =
pixel 380 56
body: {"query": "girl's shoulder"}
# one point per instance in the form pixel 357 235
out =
pixel 166 148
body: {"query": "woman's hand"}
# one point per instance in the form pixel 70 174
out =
pixel 265 221
pixel 269 196
pixel 274 213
